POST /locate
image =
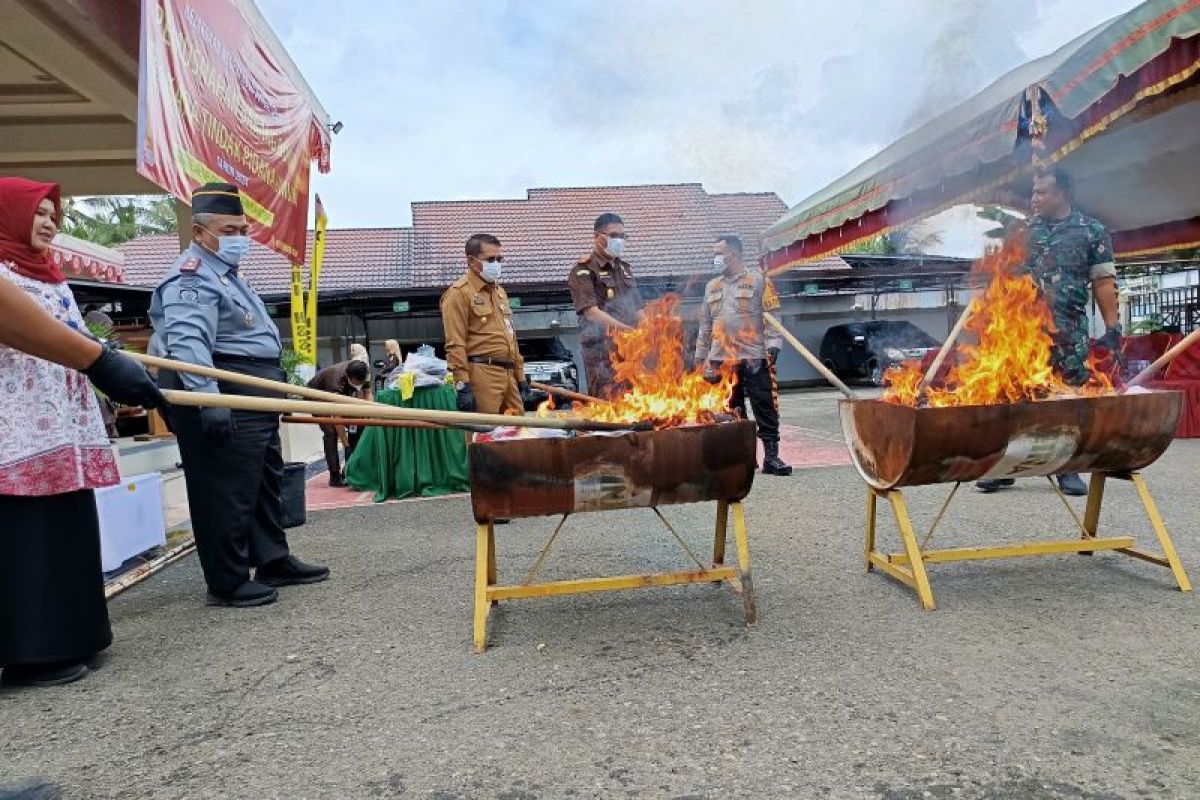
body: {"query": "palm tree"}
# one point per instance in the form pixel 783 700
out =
pixel 112 220
pixel 1003 218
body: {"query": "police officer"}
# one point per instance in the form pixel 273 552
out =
pixel 204 313
pixel 481 343
pixel 606 299
pixel 1069 252
pixel 734 303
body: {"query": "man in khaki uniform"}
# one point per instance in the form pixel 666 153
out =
pixel 732 329
pixel 481 343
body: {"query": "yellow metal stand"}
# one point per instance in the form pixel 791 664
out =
pixel 908 567
pixel 488 592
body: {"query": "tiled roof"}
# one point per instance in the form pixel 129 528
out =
pixel 671 228
pixel 355 258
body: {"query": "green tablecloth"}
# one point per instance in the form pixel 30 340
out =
pixel 410 462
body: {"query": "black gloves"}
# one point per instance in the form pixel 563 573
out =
pixel 124 380
pixel 216 423
pixel 1111 340
pixel 466 398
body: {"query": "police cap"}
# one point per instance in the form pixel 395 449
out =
pixel 217 198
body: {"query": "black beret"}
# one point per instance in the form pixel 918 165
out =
pixel 217 198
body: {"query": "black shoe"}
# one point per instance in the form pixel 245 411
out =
pixel 772 463
pixel 288 571
pixel 43 675
pixel 337 481
pixel 1070 484
pixel 248 595
pixel 994 484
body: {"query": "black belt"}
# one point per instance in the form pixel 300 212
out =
pixel 250 361
pixel 491 362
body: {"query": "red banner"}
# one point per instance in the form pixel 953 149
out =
pixel 218 101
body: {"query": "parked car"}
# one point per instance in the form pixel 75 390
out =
pixel 548 361
pixel 865 350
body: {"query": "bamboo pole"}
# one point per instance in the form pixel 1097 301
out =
pixel 363 422
pixel 813 361
pixel 1165 359
pixel 566 394
pixel 382 411
pixel 249 380
pixel 946 347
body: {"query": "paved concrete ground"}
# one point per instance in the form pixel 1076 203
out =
pixel 1061 677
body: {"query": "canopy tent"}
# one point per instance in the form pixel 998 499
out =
pixel 1118 107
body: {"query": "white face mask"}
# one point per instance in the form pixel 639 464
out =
pixel 718 264
pixel 614 247
pixel 491 271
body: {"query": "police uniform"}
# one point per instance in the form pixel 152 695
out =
pixel 732 329
pixel 204 313
pixel 481 343
pixel 609 285
pixel 1064 257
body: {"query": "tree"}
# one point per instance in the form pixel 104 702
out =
pixel 115 219
pixel 913 239
pixel 1003 218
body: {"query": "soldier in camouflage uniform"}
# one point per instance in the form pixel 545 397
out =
pixel 1068 254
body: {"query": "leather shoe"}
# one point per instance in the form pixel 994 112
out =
pixel 248 595
pixel 289 571
pixel 337 481
pixel 1070 484
pixel 994 484
pixel 43 675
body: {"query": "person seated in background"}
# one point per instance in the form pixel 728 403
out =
pixel 395 356
pixel 353 379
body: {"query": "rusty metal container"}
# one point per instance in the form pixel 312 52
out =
pixel 896 446
pixel 541 477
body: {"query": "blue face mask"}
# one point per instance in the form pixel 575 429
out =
pixel 491 271
pixel 718 264
pixel 230 249
pixel 614 247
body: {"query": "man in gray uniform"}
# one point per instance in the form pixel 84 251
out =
pixel 203 313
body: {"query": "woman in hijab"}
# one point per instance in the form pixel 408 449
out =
pixel 394 357
pixel 53 452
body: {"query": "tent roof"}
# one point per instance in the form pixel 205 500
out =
pixel 983 130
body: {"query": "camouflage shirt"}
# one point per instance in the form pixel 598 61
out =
pixel 1065 257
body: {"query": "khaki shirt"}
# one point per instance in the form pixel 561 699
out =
pixel 606 285
pixel 478 322
pixel 735 305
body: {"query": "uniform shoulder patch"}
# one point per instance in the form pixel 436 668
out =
pixel 583 272
pixel 190 264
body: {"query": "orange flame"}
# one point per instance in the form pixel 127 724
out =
pixel 1010 359
pixel 649 360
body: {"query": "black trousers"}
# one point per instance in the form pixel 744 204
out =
pixel 756 383
pixel 233 484
pixel 52 605
pixel 329 439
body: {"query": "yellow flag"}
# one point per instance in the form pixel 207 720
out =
pixel 318 257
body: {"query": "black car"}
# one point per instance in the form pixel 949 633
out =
pixel 547 361
pixel 865 350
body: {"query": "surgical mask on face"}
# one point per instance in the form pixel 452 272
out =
pixel 230 249
pixel 614 247
pixel 491 271
pixel 718 264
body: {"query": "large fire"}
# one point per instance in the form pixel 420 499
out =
pixel 649 360
pixel 1008 360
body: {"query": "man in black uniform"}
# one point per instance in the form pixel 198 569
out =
pixel 205 314
pixel 606 299
pixel 349 378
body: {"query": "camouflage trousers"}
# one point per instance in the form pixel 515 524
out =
pixel 1069 355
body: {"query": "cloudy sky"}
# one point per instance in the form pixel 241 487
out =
pixel 452 99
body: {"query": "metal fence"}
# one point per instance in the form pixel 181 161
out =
pixel 1174 309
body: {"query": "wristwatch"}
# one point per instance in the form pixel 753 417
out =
pixel 460 385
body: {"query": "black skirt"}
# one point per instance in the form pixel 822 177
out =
pixel 52 605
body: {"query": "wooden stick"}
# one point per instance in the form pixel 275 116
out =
pixel 249 380
pixel 1166 358
pixel 363 422
pixel 813 361
pixel 946 347
pixel 382 411
pixel 564 393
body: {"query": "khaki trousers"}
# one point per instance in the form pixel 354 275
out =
pixel 495 390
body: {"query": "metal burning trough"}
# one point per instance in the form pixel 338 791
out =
pixel 1109 436
pixel 646 469
pixel 894 445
